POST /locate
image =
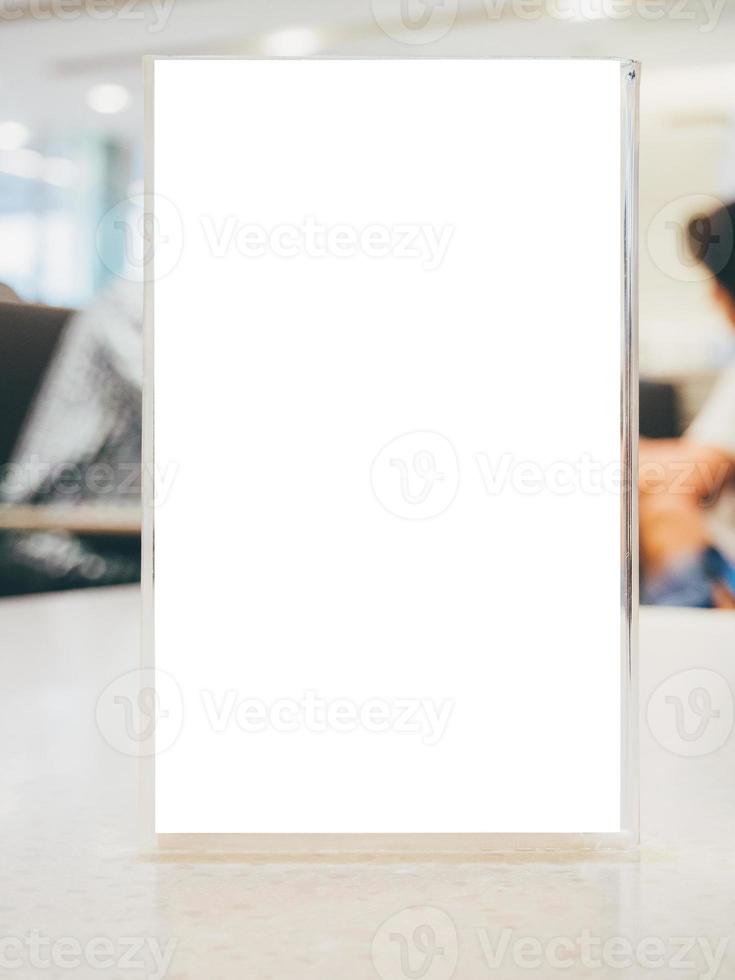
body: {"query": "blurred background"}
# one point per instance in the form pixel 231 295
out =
pixel 73 240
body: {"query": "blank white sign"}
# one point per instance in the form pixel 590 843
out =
pixel 387 325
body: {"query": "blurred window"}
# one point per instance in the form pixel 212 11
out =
pixel 51 206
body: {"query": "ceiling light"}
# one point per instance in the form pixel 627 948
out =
pixel 108 99
pixel 21 163
pixel 294 42
pixel 13 135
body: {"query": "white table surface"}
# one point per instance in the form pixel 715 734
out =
pixel 72 870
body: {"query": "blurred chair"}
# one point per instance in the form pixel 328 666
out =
pixel 29 336
pixel 659 410
pixel 45 547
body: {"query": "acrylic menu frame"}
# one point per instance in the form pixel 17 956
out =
pixel 364 846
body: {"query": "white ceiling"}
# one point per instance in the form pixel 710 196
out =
pixel 49 61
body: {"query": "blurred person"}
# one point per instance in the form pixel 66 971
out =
pixel 8 294
pixel 80 444
pixel 687 494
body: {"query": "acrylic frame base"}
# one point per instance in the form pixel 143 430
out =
pixel 282 848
